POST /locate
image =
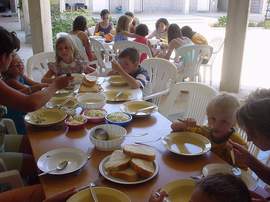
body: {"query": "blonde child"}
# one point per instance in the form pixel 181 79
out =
pixel 221 115
pixel 68 61
pixel 129 68
pixel 122 29
pixel 162 25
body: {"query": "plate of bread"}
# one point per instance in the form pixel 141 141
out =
pixel 134 164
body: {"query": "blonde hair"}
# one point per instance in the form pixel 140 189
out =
pixel 123 23
pixel 224 101
pixel 68 40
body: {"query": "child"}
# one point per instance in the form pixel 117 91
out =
pixel 221 121
pixel 16 79
pixel 254 118
pixel 133 23
pixel 215 188
pixel 105 26
pixel 122 29
pixel 68 61
pixel 162 25
pixel 129 68
pixel 142 32
pixel 195 37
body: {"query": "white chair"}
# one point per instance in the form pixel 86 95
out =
pixel 162 73
pixel 61 34
pixel 142 48
pixel 217 44
pixel 37 65
pixel 190 58
pixel 196 97
pixel 91 31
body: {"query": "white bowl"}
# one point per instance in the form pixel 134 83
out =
pixel 109 145
pixel 91 100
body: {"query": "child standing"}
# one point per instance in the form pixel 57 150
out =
pixel 221 114
pixel 68 61
pixel 129 68
pixel 142 32
pixel 122 29
pixel 105 26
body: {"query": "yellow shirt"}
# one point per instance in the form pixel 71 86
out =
pixel 199 39
pixel 221 149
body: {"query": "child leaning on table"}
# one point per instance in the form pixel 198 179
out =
pixel 129 68
pixel 221 115
pixel 68 61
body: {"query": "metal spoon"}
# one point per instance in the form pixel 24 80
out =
pixel 235 170
pixel 61 166
pixel 145 109
pixel 118 95
pixel 92 191
pixel 101 134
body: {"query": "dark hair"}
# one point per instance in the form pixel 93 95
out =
pixel 224 188
pixel 104 12
pixel 130 14
pixel 142 30
pixel 174 32
pixel 162 20
pixel 131 53
pixel 80 23
pixel 255 114
pixel 187 32
pixel 9 42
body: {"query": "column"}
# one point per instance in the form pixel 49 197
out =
pixel 41 27
pixel 62 5
pixel 26 21
pixel 234 45
pixel 186 6
pixel 131 6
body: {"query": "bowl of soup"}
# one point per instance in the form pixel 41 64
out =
pixel 95 115
pixel 91 100
pixel 76 122
pixel 119 118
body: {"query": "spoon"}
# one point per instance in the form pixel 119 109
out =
pixel 118 95
pixel 61 166
pixel 144 109
pixel 92 191
pixel 235 170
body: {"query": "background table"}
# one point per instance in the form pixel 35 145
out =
pixel 171 166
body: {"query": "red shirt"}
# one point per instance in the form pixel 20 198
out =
pixel 142 40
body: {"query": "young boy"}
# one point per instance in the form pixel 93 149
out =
pixel 129 68
pixel 221 114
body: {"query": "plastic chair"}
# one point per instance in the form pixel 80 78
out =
pixel 198 96
pixel 162 73
pixel 61 34
pixel 37 65
pixel 190 58
pixel 91 31
pixel 142 48
pixel 217 44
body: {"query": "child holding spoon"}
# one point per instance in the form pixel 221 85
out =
pixel 221 115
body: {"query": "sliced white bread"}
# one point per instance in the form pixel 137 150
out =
pixel 142 167
pixel 140 151
pixel 117 161
pixel 128 174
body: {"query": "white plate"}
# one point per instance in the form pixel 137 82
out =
pixel 132 106
pixel 106 175
pixel 49 161
pixel 214 168
pixel 127 95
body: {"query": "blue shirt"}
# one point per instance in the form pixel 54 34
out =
pixel 120 37
pixel 142 76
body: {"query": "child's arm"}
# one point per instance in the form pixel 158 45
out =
pixel 152 35
pixel 183 125
pixel 133 83
pixel 16 84
pixel 86 44
pixel 242 155
pixel 131 35
pixel 96 28
pixel 47 78
pixel 29 81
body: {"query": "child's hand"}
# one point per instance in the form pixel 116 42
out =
pixel 41 85
pixel 183 125
pixel 62 82
pixel 158 196
pixel 242 156
pixel 116 66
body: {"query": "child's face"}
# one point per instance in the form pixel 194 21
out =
pixel 128 65
pixel 16 67
pixel 65 52
pixel 161 27
pixel 5 61
pixel 199 196
pixel 105 18
pixel 220 121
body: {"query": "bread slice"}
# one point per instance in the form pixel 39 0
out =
pixel 128 174
pixel 117 161
pixel 142 167
pixel 89 80
pixel 140 151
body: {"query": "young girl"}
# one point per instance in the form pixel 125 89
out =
pixel 68 61
pixel 122 29
pixel 215 188
pixel 134 21
pixel 195 37
pixel 175 40
pixel 221 122
pixel 142 32
pixel 16 79
pixel 105 26
pixel 162 25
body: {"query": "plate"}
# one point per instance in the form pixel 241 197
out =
pixel 104 194
pixel 180 190
pixel 62 93
pixel 187 143
pixel 106 175
pixel 75 157
pixel 214 168
pixel 59 101
pixel 117 80
pixel 45 117
pixel 132 107
pixel 127 95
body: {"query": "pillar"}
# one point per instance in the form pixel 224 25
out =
pixel 62 5
pixel 41 27
pixel 186 6
pixel 26 21
pixel 234 45
pixel 131 6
